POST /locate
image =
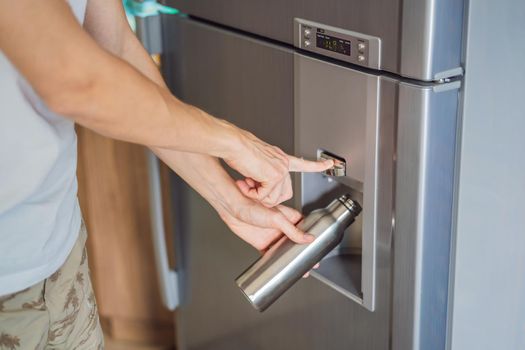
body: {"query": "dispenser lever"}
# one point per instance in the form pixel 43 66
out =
pixel 339 168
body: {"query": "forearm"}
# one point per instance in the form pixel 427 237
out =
pixel 202 172
pixel 80 80
pixel 106 22
pixel 206 176
pixel 122 103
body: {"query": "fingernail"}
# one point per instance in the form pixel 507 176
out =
pixel 309 238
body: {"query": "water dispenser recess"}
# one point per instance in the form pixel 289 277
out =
pixel 337 116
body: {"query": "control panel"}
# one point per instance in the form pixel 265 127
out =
pixel 345 45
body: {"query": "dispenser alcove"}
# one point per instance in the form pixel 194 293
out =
pixel 337 111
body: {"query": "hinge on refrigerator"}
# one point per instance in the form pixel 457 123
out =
pixel 144 17
pixel 448 75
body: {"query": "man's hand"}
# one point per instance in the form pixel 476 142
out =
pixel 250 220
pixel 261 226
pixel 267 169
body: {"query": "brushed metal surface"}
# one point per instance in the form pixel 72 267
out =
pixel 149 31
pixel 245 81
pixel 427 121
pixel 337 110
pixel 274 18
pixel 420 39
pixel 431 39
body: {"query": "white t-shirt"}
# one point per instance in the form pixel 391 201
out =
pixel 39 213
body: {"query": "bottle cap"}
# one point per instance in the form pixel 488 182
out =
pixel 350 204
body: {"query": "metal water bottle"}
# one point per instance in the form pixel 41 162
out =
pixel 286 262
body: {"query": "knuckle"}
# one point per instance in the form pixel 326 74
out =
pixel 278 149
pixel 286 162
pixel 289 191
pixel 272 203
pixel 267 202
pixel 274 175
pixel 284 167
pixel 237 212
pixel 299 235
pixel 260 196
pixel 295 234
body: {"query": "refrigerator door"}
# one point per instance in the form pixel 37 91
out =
pixel 427 125
pixel 386 286
pixel 420 39
pixel 251 83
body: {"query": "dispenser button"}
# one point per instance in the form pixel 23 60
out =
pixel 360 58
pixel 361 47
pixel 339 168
pixel 307 33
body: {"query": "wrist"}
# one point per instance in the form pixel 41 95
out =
pixel 228 139
pixel 224 198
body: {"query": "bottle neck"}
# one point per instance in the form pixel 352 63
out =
pixel 341 213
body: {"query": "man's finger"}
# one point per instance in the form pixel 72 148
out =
pixel 273 198
pixel 260 193
pixel 280 193
pixel 265 189
pixel 251 182
pixel 287 191
pixel 259 238
pixel 291 214
pixel 246 189
pixel 261 216
pixel 308 166
pixel 290 230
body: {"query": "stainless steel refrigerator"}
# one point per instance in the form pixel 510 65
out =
pixel 375 83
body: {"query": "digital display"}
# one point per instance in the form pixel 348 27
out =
pixel 334 44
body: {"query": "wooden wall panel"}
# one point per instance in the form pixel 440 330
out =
pixel 113 192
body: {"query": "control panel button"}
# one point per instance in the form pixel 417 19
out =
pixel 306 43
pixel 361 46
pixel 360 58
pixel 307 33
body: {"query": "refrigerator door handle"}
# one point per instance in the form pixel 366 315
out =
pixel 168 277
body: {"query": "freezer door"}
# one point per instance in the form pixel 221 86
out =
pixel 420 39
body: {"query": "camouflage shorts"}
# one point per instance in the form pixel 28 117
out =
pixel 58 313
